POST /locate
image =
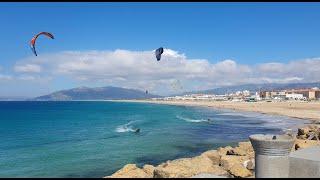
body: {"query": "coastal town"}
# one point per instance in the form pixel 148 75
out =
pixel 306 94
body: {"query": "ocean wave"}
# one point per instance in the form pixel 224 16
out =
pixel 191 120
pixel 126 127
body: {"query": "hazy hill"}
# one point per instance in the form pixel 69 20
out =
pixel 100 93
pixel 256 87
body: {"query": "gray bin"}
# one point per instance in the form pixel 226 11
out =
pixel 271 155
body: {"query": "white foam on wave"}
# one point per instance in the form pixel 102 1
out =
pixel 258 116
pixel 267 120
pixel 191 120
pixel 125 127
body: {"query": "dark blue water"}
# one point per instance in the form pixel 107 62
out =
pixel 94 139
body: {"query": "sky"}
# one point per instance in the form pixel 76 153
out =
pixel 207 45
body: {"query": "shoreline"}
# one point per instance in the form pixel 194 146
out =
pixel 225 162
pixel 299 110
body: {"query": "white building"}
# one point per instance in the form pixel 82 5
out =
pixel 246 93
pixel 257 96
pixel 295 96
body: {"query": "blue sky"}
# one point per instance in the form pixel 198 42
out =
pixel 249 34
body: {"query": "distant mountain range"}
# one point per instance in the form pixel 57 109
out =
pixel 257 87
pixel 117 93
pixel 99 93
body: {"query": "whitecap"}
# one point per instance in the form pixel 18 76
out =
pixel 191 120
pixel 125 127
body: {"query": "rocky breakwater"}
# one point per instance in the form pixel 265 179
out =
pixel 307 136
pixel 225 161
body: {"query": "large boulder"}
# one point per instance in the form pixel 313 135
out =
pixel 303 131
pixel 130 171
pixel 311 132
pixel 238 170
pixel 213 155
pixel 188 167
pixel 243 149
pixel 249 164
pixel 246 146
pixel 228 161
pixel 304 136
pixel 237 151
pixel 149 170
pixel 314 133
pixel 301 144
pixel 223 150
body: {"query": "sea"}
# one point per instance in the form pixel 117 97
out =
pixel 97 138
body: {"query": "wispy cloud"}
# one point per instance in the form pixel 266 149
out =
pixel 139 69
pixel 35 78
pixel 27 68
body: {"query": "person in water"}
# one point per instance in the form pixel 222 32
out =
pixel 137 130
pixel 209 120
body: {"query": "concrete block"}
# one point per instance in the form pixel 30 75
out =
pixel 305 163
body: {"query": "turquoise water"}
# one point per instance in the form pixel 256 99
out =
pixel 94 139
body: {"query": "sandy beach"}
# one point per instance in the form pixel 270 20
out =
pixel 295 109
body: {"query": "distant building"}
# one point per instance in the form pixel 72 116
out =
pixel 308 93
pixel 272 94
pixel 295 93
pixel 246 93
pixel 257 96
pixel 295 96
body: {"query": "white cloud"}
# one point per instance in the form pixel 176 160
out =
pixel 140 69
pixel 28 68
pixel 34 79
pixel 38 79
